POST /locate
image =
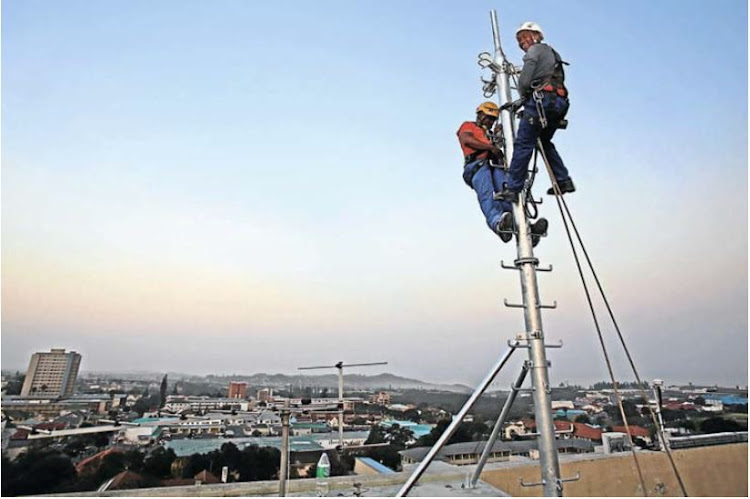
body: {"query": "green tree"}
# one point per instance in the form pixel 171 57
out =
pixel 466 432
pixel 159 463
pixel 412 415
pixel 196 463
pixel 718 425
pixel 163 392
pixel 37 472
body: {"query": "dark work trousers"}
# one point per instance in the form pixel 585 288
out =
pixel 529 130
pixel 485 182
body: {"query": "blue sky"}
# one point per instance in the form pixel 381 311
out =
pixel 239 186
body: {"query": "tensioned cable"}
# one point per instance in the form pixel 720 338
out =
pixel 562 204
pixel 621 337
pixel 596 324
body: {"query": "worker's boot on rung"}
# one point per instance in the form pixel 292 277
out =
pixel 504 227
pixel 564 185
pixel 538 230
pixel 507 195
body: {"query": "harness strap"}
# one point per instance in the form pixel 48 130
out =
pixel 469 175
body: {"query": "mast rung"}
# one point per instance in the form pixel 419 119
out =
pixel 513 305
pixel 532 484
pixel 554 305
pixel 572 478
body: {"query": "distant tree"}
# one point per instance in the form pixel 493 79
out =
pixel 15 384
pixel 74 446
pixel 163 392
pixel 159 463
pixel 582 418
pixel 412 415
pixel 342 463
pixel 259 463
pixel 699 400
pixel 100 440
pixel 718 425
pixel 145 404
pixel 36 472
pixel 110 465
pixel 466 432
pixel 688 424
pixel 377 435
pixel 195 464
pixel 134 460
pixel 324 393
pixel 231 455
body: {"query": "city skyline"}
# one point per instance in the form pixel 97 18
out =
pixel 190 187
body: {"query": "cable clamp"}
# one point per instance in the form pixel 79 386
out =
pixel 520 261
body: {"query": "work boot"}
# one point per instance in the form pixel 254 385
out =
pixel 538 229
pixel 504 227
pixel 564 185
pixel 507 195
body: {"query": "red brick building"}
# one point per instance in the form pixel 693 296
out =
pixel 237 390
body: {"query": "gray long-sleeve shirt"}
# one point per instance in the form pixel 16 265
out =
pixel 539 62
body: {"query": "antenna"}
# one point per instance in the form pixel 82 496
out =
pixel 340 366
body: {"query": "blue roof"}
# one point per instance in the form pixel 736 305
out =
pixel 383 470
pixel 569 412
pixel 416 428
pixel 188 446
pixel 728 399
pixel 153 420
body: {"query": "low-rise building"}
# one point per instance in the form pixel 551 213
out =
pixel 381 398
pixel 468 453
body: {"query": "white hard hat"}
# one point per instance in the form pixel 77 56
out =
pixel 530 26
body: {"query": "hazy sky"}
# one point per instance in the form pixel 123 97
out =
pixel 245 186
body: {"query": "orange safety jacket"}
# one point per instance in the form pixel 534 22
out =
pixel 479 133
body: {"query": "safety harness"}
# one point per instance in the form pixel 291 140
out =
pixel 468 175
pixel 553 84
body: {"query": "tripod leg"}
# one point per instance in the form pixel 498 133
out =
pixel 448 433
pixel 499 424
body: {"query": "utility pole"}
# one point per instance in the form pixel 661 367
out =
pixel 340 366
pixel 284 465
pixel 527 265
pixel 285 413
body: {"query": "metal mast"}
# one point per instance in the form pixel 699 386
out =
pixel 340 366
pixel 526 263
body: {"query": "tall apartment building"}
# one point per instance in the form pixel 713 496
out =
pixel 51 373
pixel 237 390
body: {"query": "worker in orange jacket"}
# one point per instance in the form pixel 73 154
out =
pixel 486 179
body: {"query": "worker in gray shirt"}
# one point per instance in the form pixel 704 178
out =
pixel 545 103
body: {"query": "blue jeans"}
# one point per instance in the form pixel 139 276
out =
pixel 485 182
pixel 529 130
